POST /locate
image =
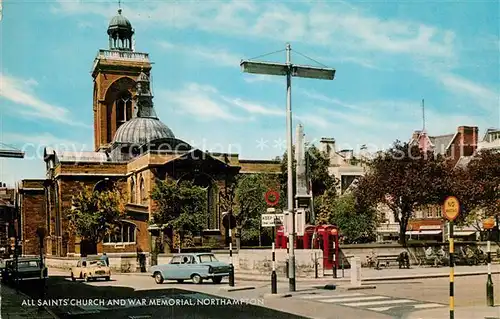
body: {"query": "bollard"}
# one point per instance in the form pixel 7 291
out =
pixel 315 265
pixel 287 264
pixel 490 300
pixel 334 268
pixel 274 279
pixel 342 265
pixel 231 267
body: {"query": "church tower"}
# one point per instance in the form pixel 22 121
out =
pixel 115 72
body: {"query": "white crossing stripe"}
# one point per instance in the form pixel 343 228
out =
pixel 326 296
pixel 428 305
pixel 376 303
pixel 342 300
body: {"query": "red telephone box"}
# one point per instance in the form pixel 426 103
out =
pixel 308 236
pixel 281 239
pixel 328 240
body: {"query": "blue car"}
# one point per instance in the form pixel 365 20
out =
pixel 193 266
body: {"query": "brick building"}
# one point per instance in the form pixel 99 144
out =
pixel 133 149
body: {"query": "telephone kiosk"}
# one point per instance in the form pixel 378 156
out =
pixel 324 237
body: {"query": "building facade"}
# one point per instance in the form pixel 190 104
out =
pixel 133 150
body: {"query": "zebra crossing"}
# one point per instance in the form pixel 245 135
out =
pixel 370 302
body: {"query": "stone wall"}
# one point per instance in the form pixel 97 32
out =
pixel 33 214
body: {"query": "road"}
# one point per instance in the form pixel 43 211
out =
pixel 391 299
pixel 162 302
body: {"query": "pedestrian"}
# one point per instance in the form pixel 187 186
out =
pixel 105 259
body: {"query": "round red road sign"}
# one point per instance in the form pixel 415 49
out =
pixel 272 197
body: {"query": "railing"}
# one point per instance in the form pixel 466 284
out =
pixel 120 55
pixel 123 55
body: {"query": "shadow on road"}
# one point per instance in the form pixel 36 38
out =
pixel 107 301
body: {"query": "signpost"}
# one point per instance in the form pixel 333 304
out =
pixel 488 225
pixel 451 210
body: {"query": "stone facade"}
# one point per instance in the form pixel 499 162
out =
pixel 121 95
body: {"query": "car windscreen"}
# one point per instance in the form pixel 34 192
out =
pixel 207 258
pixel 28 264
pixel 95 263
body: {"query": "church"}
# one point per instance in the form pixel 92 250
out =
pixel 133 149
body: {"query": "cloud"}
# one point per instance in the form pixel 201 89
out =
pixel 323 98
pixel 200 101
pixel 487 97
pixel 257 78
pixel 217 56
pixel 20 92
pixel 333 26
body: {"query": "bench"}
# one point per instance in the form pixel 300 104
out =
pixel 386 259
pixel 391 258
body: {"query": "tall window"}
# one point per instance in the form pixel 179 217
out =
pixel 126 233
pixel 143 192
pixel 430 211
pixel 123 108
pixel 132 191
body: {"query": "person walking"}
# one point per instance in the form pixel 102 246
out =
pixel 105 259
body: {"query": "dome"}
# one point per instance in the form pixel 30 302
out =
pixel 120 21
pixel 141 130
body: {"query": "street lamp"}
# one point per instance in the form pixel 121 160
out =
pixel 288 69
pixel 10 152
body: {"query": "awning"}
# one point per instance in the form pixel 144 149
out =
pixel 463 233
pixel 388 231
pixel 424 232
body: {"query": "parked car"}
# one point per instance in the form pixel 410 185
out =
pixel 27 269
pixel 194 266
pixel 90 268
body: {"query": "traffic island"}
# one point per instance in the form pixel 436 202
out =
pixel 236 288
pixel 275 296
pixel 361 287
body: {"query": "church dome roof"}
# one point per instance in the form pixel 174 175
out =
pixel 119 22
pixel 142 130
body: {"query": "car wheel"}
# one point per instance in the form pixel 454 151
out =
pixel 107 278
pixel 196 279
pixel 87 278
pixel 180 281
pixel 158 278
pixel 73 277
pixel 217 280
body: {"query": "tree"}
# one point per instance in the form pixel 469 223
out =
pixel 246 199
pixel 356 224
pixel 404 178
pixel 95 214
pixel 179 206
pixel 477 187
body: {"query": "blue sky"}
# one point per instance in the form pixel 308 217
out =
pixel 388 56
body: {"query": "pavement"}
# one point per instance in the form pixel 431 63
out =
pixel 460 313
pixel 12 307
pixel 367 274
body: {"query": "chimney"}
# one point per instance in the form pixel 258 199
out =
pixel 415 135
pixel 468 139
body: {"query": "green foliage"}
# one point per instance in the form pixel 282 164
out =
pixel 180 206
pixel 404 178
pixel 95 214
pixel 249 200
pixel 356 225
pixel 477 186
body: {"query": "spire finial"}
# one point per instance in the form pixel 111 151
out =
pixel 119 6
pixel 423 116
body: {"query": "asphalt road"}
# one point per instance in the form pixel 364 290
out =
pixel 108 301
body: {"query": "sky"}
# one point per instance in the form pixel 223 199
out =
pixel 388 56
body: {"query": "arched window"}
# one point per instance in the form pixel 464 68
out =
pixel 132 191
pixel 125 234
pixel 143 192
pixel 123 109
